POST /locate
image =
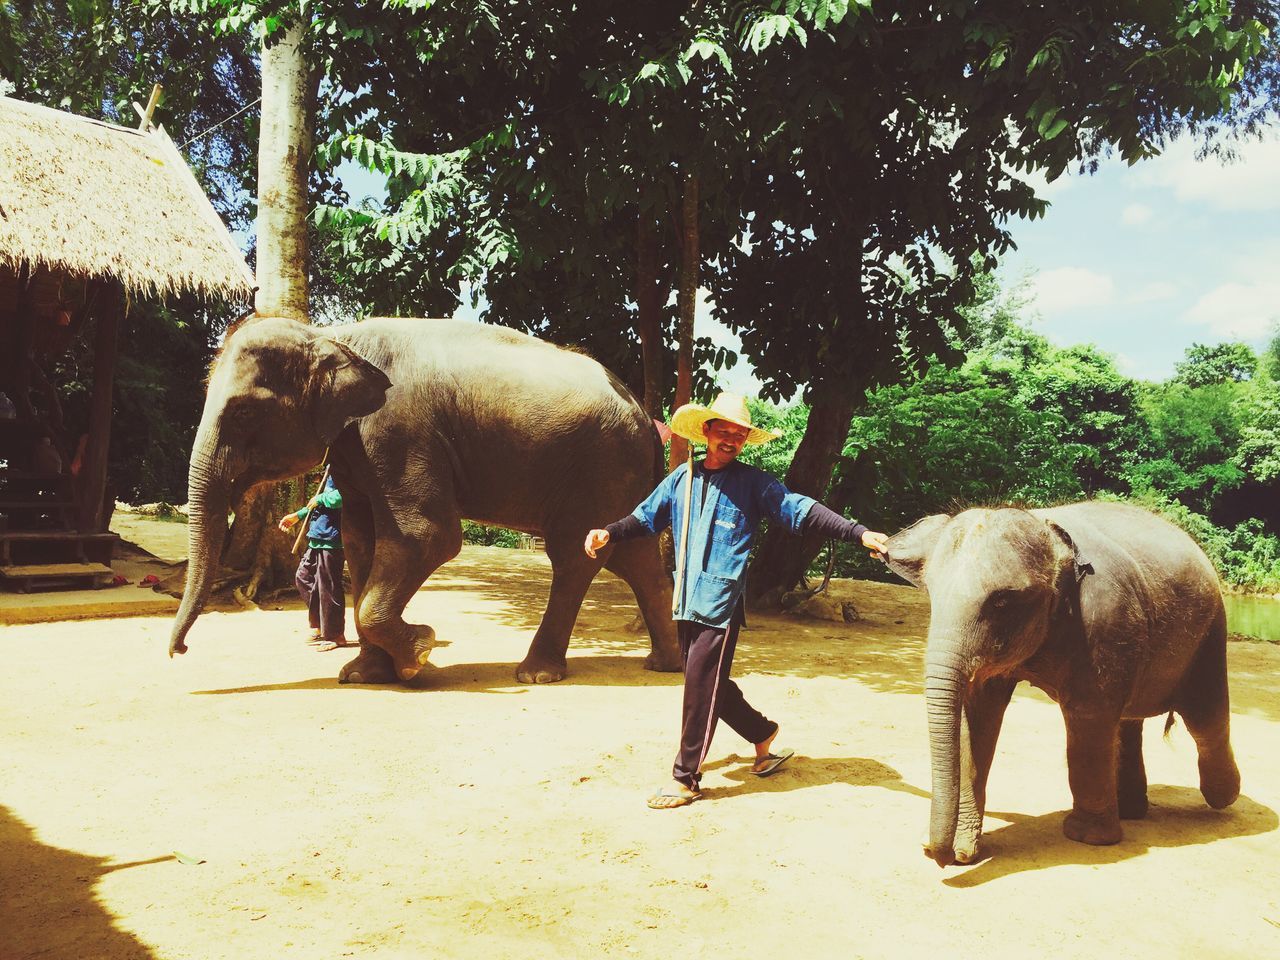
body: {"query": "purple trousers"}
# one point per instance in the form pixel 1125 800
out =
pixel 710 696
pixel 319 582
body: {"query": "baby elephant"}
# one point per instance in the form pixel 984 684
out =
pixel 1115 613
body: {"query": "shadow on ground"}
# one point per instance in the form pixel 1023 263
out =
pixel 1178 817
pixel 62 918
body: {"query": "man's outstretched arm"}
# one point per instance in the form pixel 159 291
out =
pixel 832 526
pixel 628 528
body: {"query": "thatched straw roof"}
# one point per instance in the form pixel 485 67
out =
pixel 97 200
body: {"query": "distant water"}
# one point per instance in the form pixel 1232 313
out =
pixel 1253 616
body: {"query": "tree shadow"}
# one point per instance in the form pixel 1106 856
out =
pixel 488 677
pixel 48 907
pixel 1178 817
pixel 803 771
pixel 884 650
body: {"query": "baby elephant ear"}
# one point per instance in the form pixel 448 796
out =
pixel 1066 546
pixel 344 386
pixel 909 549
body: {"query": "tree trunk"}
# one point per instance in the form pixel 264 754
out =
pixel 783 557
pixel 649 313
pixel 686 301
pixel 284 162
pixel 283 262
pixel 92 481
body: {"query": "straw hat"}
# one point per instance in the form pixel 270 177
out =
pixel 688 420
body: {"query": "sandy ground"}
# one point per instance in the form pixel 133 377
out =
pixel 238 803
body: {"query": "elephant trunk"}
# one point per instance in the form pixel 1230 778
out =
pixel 945 681
pixel 207 500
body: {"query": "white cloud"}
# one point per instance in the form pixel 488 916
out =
pixel 1251 182
pixel 1152 292
pixel 1136 214
pixel 1070 288
pixel 1239 311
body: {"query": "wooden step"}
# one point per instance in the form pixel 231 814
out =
pixel 53 535
pixel 26 575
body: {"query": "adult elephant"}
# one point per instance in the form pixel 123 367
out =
pixel 430 422
pixel 1112 611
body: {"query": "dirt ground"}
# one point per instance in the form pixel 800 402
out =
pixel 238 803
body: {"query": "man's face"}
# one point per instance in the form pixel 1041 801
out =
pixel 725 440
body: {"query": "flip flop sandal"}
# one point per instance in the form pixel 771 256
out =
pixel 662 799
pixel 772 761
pixel 324 646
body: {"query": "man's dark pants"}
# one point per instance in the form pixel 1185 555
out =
pixel 709 695
pixel 319 582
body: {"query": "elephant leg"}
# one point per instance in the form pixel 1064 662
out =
pixel 639 563
pixel 1205 706
pixel 357 541
pixel 400 566
pixel 1131 777
pixel 984 709
pixel 571 574
pixel 371 664
pixel 1091 770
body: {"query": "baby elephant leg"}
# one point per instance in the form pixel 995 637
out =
pixel 1206 708
pixel 1131 777
pixel 1091 769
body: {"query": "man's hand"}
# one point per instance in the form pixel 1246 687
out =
pixel 287 522
pixel 596 540
pixel 877 543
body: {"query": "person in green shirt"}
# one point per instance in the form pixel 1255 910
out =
pixel 319 577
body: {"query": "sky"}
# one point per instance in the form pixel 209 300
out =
pixel 1146 260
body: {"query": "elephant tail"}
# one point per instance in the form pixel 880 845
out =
pixel 1169 721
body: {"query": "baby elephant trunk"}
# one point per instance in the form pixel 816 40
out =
pixel 945 680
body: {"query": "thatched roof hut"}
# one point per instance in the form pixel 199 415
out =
pixel 94 200
pixel 92 216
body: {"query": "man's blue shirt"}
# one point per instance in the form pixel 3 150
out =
pixel 727 507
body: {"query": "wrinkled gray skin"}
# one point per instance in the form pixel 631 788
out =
pixel 430 421
pixel 1115 613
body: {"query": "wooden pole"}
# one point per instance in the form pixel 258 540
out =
pixel 93 472
pixel 302 527
pixel 145 114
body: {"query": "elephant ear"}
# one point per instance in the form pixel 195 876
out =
pixel 909 549
pixel 1069 554
pixel 344 387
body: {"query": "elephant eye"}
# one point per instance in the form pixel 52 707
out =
pixel 1003 601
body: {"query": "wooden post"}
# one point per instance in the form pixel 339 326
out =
pixel 92 482
pixel 144 114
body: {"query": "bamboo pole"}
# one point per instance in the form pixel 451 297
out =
pixel 302 527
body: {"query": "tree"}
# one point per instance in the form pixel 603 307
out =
pixel 1219 363
pixel 283 266
pixel 896 154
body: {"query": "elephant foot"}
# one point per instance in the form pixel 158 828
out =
pixel 410 655
pixel 965 848
pixel 1100 830
pixel 1220 783
pixel 663 661
pixel 534 670
pixel 371 665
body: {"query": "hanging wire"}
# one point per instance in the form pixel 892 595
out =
pixel 220 123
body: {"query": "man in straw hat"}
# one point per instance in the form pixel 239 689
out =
pixel 715 507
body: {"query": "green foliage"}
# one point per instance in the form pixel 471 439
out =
pixel 1190 449
pixel 484 536
pixel 1220 363
pixel 954 438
